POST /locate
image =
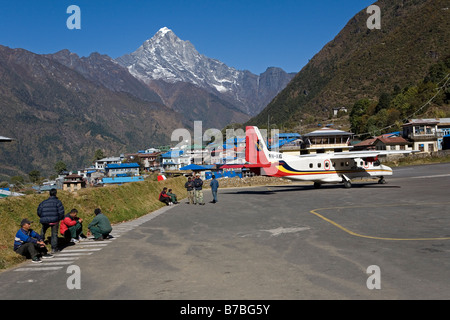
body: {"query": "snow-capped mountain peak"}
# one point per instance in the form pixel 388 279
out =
pixel 164 30
pixel 166 57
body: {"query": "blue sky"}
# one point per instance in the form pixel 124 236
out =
pixel 245 34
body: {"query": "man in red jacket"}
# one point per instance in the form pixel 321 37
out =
pixel 164 197
pixel 71 227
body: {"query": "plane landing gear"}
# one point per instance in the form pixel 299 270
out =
pixel 346 181
pixel 317 185
pixel 347 184
pixel 381 180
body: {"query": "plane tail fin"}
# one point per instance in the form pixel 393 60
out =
pixel 256 151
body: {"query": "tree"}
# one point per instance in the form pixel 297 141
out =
pixel 35 176
pixel 384 102
pixel 17 181
pixel 60 167
pixel 358 115
pixel 98 155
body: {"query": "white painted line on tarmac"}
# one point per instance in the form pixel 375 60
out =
pixel 92 245
pixel 435 176
pixel 39 269
pixel 74 254
pixel 82 250
pixel 61 258
pixel 55 263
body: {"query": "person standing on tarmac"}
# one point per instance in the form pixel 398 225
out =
pixel 198 186
pixel 214 187
pixel 189 185
pixel 50 212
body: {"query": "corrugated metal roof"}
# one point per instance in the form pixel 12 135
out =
pixel 328 132
pixel 122 165
pixel 172 154
pixel 120 180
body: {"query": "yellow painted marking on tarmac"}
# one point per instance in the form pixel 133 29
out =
pixel 373 237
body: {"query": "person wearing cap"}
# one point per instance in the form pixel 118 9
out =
pixel 198 186
pixel 28 243
pixel 50 212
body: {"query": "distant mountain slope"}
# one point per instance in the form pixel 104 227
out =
pixel 168 58
pixel 362 63
pixel 197 104
pixel 104 70
pixel 56 113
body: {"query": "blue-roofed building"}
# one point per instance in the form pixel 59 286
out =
pixel 122 180
pixel 285 142
pixel 288 135
pixel 122 169
pixel 174 160
pixel 446 142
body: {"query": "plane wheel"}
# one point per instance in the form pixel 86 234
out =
pixel 382 181
pixel 347 184
pixel 317 185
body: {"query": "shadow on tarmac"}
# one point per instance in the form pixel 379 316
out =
pixel 277 189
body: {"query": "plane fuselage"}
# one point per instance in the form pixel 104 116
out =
pixel 322 169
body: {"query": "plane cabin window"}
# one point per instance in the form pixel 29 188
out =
pixel 342 164
pixel 361 163
pixel 347 164
pixel 311 165
pixel 319 165
pixel 327 165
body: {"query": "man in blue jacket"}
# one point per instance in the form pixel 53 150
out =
pixel 29 244
pixel 214 187
pixel 50 212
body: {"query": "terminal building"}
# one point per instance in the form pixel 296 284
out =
pixel 326 140
pixel 428 135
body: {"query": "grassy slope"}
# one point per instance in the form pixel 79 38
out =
pixel 119 203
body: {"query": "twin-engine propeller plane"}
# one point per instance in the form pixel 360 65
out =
pixel 338 167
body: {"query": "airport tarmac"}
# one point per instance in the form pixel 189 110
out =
pixel 290 242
